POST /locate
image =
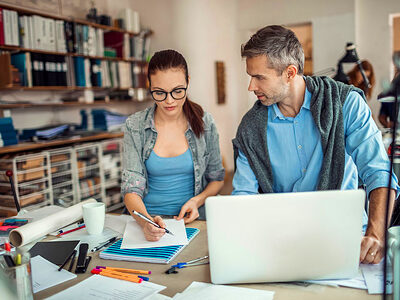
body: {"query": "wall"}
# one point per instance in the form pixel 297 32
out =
pixel 204 32
pixel 374 39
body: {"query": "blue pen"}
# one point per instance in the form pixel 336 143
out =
pixel 193 262
pixel 144 278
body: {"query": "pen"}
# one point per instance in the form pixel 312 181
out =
pixel 110 241
pixel 72 260
pixel 117 276
pixel 66 260
pixel 150 221
pixel 68 231
pixel 143 272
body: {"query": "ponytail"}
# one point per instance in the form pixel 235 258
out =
pixel 194 114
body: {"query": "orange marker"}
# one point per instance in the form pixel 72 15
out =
pixel 143 272
pixel 117 275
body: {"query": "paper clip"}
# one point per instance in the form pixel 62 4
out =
pixel 194 262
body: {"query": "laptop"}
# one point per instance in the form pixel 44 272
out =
pixel 284 237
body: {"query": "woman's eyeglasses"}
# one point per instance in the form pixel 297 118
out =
pixel 160 96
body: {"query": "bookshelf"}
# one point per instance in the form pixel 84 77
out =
pixel 43 52
pixel 75 57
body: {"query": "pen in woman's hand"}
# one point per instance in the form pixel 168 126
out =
pixel 150 221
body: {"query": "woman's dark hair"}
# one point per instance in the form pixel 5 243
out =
pixel 366 65
pixel 171 59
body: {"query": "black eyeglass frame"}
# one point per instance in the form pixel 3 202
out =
pixel 166 94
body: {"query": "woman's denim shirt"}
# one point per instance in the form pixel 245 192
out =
pixel 139 139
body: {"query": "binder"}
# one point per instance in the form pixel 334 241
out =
pixel 161 255
pixel 79 66
pixel 1 27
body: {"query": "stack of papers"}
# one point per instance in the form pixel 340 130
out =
pixel 106 288
pixel 201 290
pixel 107 120
pixel 370 277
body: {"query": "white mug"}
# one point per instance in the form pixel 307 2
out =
pixel 93 216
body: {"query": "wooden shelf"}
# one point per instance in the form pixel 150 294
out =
pixel 57 143
pixel 20 49
pixel 69 104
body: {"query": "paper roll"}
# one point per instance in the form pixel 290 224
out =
pixel 32 231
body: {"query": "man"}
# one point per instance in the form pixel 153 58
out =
pixel 308 133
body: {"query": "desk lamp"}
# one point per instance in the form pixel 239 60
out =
pixel 392 94
pixel 350 57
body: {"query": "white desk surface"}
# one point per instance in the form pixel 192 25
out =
pixel 198 247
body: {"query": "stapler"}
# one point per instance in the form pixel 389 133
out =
pixel 83 260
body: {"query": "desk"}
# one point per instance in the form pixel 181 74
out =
pixel 198 247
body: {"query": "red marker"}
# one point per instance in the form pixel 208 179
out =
pixel 68 231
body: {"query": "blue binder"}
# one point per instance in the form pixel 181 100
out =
pixel 161 255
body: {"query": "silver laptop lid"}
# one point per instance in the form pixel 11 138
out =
pixel 284 237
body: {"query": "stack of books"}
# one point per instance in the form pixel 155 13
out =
pixel 8 135
pixel 108 121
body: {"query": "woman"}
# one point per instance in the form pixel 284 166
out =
pixel 356 79
pixel 172 161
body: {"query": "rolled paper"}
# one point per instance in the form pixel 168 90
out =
pixel 32 231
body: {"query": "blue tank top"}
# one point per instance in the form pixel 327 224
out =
pixel 170 183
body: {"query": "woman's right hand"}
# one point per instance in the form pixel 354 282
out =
pixel 151 232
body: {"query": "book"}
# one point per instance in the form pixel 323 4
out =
pixel 1 27
pixel 161 255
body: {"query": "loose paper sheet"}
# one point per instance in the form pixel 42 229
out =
pixel 93 240
pixel 45 274
pixel 134 236
pixel 201 290
pixel 101 287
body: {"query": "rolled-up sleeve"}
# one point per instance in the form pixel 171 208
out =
pixel 133 179
pixel 214 170
pixel 364 144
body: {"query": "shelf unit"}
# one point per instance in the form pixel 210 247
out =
pixel 32 181
pixel 80 49
pixel 64 176
pixel 81 166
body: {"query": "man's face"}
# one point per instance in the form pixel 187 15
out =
pixel 269 86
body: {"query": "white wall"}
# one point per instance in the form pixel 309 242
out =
pixel 204 32
pixel 332 24
pixel 374 39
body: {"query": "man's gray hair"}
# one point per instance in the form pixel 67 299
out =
pixel 279 44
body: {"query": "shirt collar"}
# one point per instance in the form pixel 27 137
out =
pixel 149 121
pixel 276 113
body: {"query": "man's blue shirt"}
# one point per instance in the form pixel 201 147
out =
pixel 296 156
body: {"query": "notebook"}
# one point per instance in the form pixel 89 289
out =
pixel 158 255
pixel 55 252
